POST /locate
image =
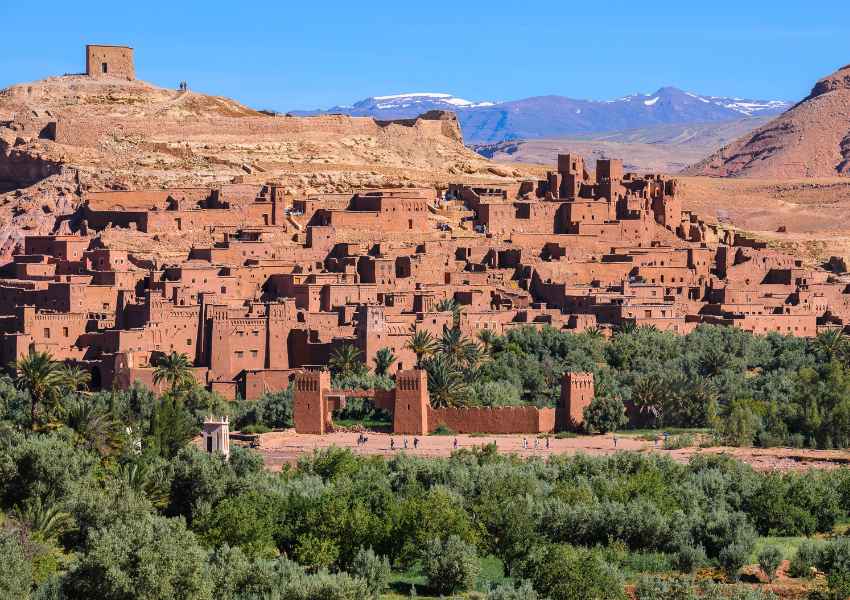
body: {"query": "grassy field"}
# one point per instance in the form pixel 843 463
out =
pixel 402 584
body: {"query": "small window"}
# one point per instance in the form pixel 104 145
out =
pixel 65 331
pixel 104 68
pixel 47 333
pixel 239 354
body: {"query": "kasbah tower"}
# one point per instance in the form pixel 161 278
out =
pixel 110 61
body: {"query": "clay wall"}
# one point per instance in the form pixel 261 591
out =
pixel 501 420
pixel 266 381
pixel 86 131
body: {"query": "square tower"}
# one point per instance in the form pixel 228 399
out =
pixel 412 404
pixel 572 164
pixel 577 391
pixel 309 402
pixel 609 169
pixel 110 61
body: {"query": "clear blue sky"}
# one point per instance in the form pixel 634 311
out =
pixel 286 55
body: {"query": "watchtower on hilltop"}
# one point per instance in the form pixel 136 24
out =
pixel 110 61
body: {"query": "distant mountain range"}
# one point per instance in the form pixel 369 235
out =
pixel 665 148
pixel 558 116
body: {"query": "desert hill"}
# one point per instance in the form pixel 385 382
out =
pixel 812 139
pixel 62 136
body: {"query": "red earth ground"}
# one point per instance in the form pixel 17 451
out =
pixel 282 447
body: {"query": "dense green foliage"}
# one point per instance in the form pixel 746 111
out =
pixel 766 390
pixel 99 525
pixel 102 496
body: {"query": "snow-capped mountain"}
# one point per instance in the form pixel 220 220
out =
pixel 403 106
pixel 559 116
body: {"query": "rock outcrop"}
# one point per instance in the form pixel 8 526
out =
pixel 812 139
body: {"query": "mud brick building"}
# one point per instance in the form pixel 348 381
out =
pixel 265 287
pixel 110 61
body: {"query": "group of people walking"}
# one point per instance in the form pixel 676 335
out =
pixel 405 444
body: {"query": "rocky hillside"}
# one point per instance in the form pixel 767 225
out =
pixel 64 135
pixel 812 139
pixel 558 116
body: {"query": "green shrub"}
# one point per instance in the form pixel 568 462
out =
pixel 665 588
pixel 450 565
pixel 522 590
pixel 256 428
pixel 769 559
pixel 605 414
pixel 145 559
pixel 683 440
pixel 16 570
pixel 315 552
pixel 563 435
pixel 373 569
pixel 443 429
pixel 805 559
pixel 797 440
pixel 689 558
pixel 733 557
pixel 562 572
pixel 834 556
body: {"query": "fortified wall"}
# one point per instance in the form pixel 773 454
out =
pixel 314 403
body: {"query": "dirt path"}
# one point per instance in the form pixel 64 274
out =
pixel 283 447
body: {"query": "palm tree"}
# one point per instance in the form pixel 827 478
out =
pixel 446 305
pixel 450 305
pixel 41 376
pixel 94 426
pixel 486 337
pixel 627 327
pixel 713 361
pixel 45 520
pixel 384 359
pixel 593 333
pixel 648 397
pixel 75 378
pixel 445 383
pixel 831 342
pixel 458 349
pixel 141 478
pixel 176 370
pixel 345 360
pixel 422 344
